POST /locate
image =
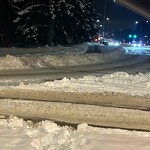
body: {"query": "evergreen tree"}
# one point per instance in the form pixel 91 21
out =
pixel 30 20
pixel 57 21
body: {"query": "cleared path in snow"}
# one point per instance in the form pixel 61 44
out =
pixel 107 99
pixel 105 109
pixel 77 113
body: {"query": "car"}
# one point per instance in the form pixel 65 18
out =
pixel 104 41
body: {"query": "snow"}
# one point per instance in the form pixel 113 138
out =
pixel 11 62
pixel 15 133
pixel 138 50
pixel 47 135
pixel 56 56
pixel 118 82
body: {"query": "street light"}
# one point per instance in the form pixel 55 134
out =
pixel 97 20
pixel 104 17
pixel 107 19
pixel 139 24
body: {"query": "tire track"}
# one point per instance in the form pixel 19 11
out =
pixel 76 114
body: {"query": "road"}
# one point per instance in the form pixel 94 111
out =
pixel 136 60
pixel 108 110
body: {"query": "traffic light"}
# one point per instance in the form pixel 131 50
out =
pixel 130 36
pixel 135 36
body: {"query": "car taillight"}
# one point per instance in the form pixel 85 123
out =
pixel 96 40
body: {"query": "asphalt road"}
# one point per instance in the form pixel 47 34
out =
pixel 134 61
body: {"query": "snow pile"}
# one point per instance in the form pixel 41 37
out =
pixel 58 56
pixel 119 82
pixel 11 62
pixel 70 60
pixel 47 135
pixel 47 50
pixel 61 50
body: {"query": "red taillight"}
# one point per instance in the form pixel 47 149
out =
pixel 99 38
pixel 96 40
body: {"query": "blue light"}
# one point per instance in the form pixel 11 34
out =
pixel 130 36
pixel 135 36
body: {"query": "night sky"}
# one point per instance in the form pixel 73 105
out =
pixel 122 20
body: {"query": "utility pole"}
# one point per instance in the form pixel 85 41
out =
pixel 104 16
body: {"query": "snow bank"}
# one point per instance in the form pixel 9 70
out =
pixel 58 56
pixel 46 135
pixel 119 82
pixel 70 60
pixel 11 62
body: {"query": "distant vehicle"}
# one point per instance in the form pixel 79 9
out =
pixel 97 39
pixel 110 42
pixel 104 41
pixel 136 44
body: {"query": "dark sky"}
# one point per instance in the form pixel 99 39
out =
pixel 115 11
pixel 122 18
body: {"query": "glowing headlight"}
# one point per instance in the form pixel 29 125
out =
pixel 117 44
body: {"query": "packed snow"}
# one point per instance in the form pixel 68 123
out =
pixel 18 134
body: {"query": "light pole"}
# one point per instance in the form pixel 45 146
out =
pixel 136 22
pixel 139 26
pixel 104 17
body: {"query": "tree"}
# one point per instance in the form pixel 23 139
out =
pixel 6 17
pixel 78 21
pixel 57 21
pixel 30 20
